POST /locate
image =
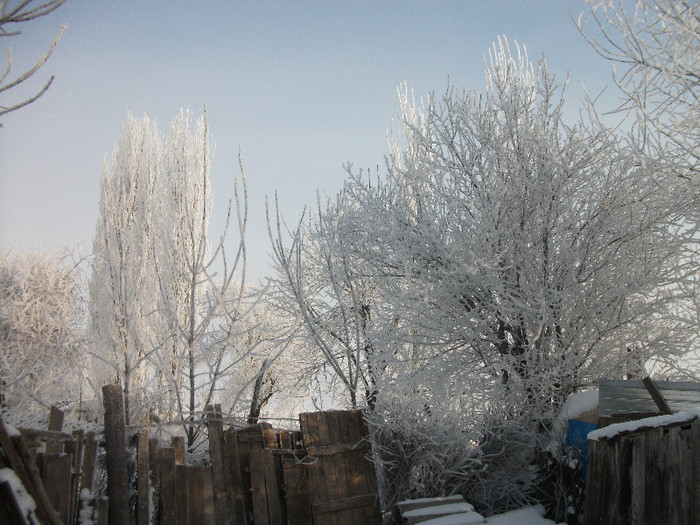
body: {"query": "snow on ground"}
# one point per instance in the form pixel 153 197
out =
pixel 650 422
pixel 524 516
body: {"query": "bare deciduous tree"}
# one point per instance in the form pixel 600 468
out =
pixel 656 44
pixel 10 15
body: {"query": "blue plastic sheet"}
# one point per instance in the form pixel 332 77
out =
pixel 576 435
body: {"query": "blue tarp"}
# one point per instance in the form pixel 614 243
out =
pixel 576 435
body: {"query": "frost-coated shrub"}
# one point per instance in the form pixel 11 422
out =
pixel 492 463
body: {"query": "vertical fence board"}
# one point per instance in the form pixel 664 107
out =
pixel 178 444
pixel 695 437
pixel 54 446
pixel 154 467
pixel 143 482
pixel 238 501
pixel 274 508
pixel 56 477
pixel 638 481
pixel 297 492
pixel 168 510
pixel 117 483
pixel 200 504
pixel 182 495
pixel 220 467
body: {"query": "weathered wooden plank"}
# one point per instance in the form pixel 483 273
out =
pixel 10 510
pixel 269 438
pixel 24 466
pixel 246 444
pixel 56 477
pixel 201 497
pixel 653 466
pixel 154 469
pixel 258 490
pixel 183 497
pixel 143 511
pixel 340 448
pixel 55 425
pixel 77 451
pixel 221 469
pixel 238 501
pixel 349 503
pixel 117 482
pixel 594 483
pixel 296 492
pixel 285 439
pixel 168 508
pixel 687 489
pixel 274 505
pixel 695 437
pixel 178 444
pixel 419 503
pixel 638 479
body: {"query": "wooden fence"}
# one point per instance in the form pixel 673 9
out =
pixel 257 475
pixel 645 473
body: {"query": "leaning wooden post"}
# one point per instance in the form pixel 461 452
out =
pixel 115 445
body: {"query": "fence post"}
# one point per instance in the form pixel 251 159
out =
pixel 220 466
pixel 117 482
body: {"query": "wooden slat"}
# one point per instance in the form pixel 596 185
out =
pixel 10 510
pixel 258 491
pixel 55 425
pixel 654 470
pixel 178 444
pixel 56 477
pixel 168 509
pixel 221 468
pixel 274 506
pixel 695 452
pixel 25 468
pixel 353 502
pixel 142 478
pixel 154 469
pixel 638 478
pixel 182 495
pixel 201 497
pixel 117 482
pixel 238 501
pixel 297 492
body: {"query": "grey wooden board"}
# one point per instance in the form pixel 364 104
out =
pixel 625 397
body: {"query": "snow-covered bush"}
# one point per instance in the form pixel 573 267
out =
pixel 41 330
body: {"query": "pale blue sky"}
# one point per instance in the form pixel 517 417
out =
pixel 303 86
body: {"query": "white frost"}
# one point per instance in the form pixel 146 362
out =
pixel 650 422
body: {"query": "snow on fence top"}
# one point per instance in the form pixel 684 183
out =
pixel 612 431
pixel 625 397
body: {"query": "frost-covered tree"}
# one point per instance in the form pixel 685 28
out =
pixel 516 258
pixel 41 330
pixel 656 45
pixel 159 291
pixel 123 284
pixel 11 14
pixel 200 287
pixel 531 251
pixel 318 278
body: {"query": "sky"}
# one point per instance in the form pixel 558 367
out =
pixel 303 88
